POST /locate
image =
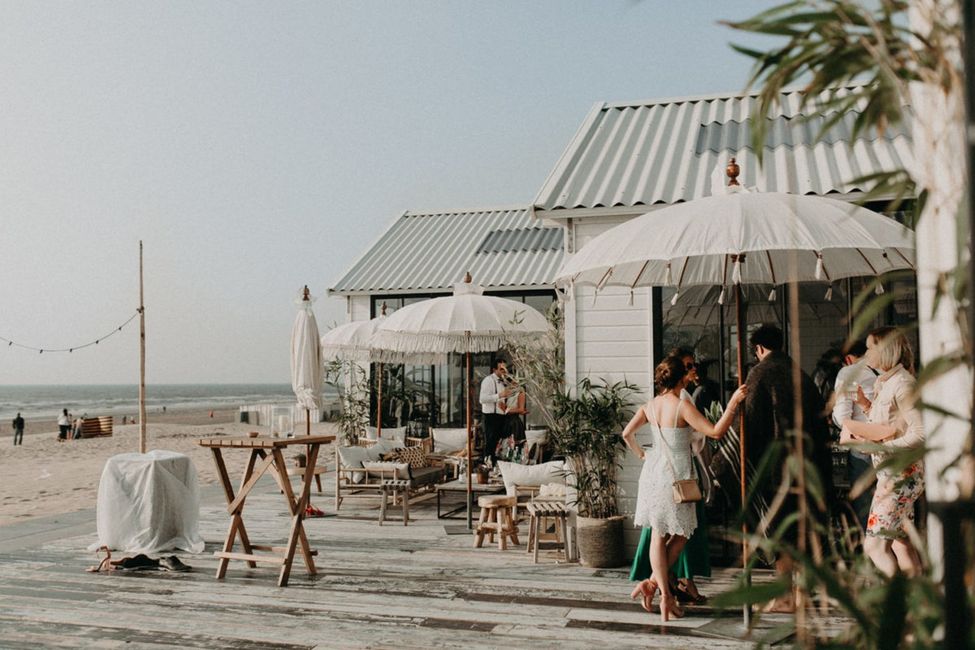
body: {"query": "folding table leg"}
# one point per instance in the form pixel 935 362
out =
pixel 297 508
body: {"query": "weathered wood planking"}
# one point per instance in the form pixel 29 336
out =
pixel 377 587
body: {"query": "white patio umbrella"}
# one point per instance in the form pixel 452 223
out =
pixel 742 237
pixel 306 359
pixel 465 323
pixel 699 305
pixel 351 341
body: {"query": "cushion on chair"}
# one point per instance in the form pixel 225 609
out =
pixel 352 458
pixel 383 469
pixel 415 456
pixel 447 440
pixel 530 475
pixel 382 447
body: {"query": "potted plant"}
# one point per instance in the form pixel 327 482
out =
pixel 586 428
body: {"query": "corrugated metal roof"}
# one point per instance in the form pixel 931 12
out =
pixel 431 251
pixel 664 151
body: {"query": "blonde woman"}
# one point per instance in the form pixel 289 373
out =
pixel 671 460
pixel 893 421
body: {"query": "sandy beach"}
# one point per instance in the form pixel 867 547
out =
pixel 46 477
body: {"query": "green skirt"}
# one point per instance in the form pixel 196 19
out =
pixel 693 561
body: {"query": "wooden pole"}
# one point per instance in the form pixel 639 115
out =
pixel 740 324
pixel 470 444
pixel 379 388
pixel 143 441
pixel 379 401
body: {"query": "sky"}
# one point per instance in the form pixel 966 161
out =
pixel 255 147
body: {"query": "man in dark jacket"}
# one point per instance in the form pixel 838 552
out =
pixel 770 420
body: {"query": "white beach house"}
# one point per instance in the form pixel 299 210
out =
pixel 627 159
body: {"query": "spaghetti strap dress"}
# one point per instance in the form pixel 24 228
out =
pixel 655 505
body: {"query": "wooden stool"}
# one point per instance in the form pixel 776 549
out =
pixel 400 489
pixel 496 518
pixel 541 512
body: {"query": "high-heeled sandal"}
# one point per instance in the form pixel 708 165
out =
pixel 647 589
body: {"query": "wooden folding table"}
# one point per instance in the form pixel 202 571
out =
pixel 266 453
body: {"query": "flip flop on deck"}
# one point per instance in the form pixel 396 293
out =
pixel 140 562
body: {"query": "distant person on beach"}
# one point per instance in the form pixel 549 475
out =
pixel 18 430
pixel 64 423
pixel 78 423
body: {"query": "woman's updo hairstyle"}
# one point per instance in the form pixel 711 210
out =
pixel 669 373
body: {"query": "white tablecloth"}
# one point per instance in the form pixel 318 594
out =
pixel 149 503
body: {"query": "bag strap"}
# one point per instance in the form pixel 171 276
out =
pixel 666 447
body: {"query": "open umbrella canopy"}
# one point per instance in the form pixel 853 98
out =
pixel 698 306
pixel 468 321
pixel 306 358
pixel 743 238
pixel 350 340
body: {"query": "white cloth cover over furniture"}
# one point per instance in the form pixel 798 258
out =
pixel 149 503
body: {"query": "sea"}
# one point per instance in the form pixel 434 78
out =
pixel 45 402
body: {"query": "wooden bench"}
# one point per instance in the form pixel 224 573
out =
pixel 95 427
pixel 399 489
pixel 541 512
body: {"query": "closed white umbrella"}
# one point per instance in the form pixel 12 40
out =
pixel 306 359
pixel 743 237
pixel 465 323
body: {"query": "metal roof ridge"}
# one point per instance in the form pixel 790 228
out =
pixel 494 208
pixel 708 97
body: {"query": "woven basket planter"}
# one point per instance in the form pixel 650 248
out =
pixel 601 542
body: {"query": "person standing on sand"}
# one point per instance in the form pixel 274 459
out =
pixel 18 430
pixel 64 423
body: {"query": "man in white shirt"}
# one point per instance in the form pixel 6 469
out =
pixel 855 374
pixel 493 394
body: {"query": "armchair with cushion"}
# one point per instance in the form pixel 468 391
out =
pixel 360 470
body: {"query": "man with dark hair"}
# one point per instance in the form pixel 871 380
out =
pixel 494 391
pixel 770 420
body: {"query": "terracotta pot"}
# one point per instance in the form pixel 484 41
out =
pixel 601 542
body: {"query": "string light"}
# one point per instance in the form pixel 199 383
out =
pixel 73 348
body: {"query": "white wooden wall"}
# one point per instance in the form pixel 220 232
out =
pixel 612 340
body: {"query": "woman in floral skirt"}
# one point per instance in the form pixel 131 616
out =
pixel 895 422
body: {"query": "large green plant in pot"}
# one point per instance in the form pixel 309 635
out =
pixel 586 431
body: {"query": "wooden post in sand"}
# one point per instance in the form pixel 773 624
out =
pixel 142 361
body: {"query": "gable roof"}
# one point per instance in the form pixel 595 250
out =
pixel 431 251
pixel 665 151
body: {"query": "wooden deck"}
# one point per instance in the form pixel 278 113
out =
pixel 378 587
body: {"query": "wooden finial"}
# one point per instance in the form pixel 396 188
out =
pixel 467 278
pixel 382 309
pixel 306 294
pixel 733 170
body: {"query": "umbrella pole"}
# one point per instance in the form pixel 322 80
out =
pixel 746 610
pixel 470 452
pixel 379 403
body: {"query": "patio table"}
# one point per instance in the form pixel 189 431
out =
pixel 269 452
pixel 460 485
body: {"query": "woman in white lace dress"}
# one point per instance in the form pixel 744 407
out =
pixel 670 460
